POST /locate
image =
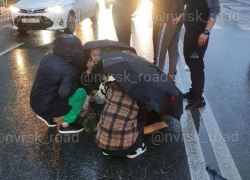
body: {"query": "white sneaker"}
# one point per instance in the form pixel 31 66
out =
pixel 138 152
pixel 98 98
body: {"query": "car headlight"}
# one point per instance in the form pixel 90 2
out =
pixel 55 9
pixel 14 9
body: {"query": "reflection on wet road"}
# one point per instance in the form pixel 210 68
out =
pixel 29 150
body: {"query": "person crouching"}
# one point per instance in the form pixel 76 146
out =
pixel 121 127
pixel 55 92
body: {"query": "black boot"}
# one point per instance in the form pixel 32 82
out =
pixel 198 102
pixel 188 95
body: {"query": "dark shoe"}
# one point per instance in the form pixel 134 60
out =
pixel 138 152
pixel 188 95
pixel 197 103
pixel 175 72
pixel 72 128
pixel 48 121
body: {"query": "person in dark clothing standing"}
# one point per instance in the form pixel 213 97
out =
pixel 166 32
pixel 199 19
pixel 122 14
pixel 55 92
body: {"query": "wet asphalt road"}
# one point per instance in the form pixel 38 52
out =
pixel 29 150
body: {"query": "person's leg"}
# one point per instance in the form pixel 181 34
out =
pixel 122 23
pixel 173 50
pixel 166 33
pixel 139 147
pixel 194 55
pixel 76 101
pixel 141 120
pixel 156 28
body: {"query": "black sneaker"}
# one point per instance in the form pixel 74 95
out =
pixel 138 152
pixel 188 95
pixel 72 128
pixel 48 121
pixel 197 103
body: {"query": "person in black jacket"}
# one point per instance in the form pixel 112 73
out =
pixel 199 19
pixel 55 92
pixel 122 14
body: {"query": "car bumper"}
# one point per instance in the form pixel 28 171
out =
pixel 48 21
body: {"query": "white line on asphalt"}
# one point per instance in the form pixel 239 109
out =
pixel 6 26
pixel 196 161
pixel 8 50
pixel 224 158
pixel 4 20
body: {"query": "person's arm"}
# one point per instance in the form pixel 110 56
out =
pixel 179 9
pixel 86 77
pixel 175 21
pixel 214 7
pixel 203 37
pixel 68 86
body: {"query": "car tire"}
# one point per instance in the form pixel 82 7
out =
pixel 71 23
pixel 22 32
pixel 95 17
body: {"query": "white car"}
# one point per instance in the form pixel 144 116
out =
pixel 52 14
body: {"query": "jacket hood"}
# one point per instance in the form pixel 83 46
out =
pixel 69 47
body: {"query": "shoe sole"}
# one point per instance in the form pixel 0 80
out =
pixel 105 154
pixel 71 132
pixel 136 155
pixel 43 120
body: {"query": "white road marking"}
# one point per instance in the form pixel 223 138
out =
pixel 6 26
pixel 224 158
pixel 196 160
pixel 10 49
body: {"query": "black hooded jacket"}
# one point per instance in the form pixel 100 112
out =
pixel 56 78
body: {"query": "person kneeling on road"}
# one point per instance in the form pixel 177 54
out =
pixel 55 92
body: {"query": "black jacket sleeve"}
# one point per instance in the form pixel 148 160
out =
pixel 68 87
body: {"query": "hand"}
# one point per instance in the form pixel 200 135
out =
pixel 202 39
pixel 105 78
pixel 90 65
pixel 175 21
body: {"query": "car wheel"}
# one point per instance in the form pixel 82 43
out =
pixel 22 31
pixel 94 19
pixel 71 23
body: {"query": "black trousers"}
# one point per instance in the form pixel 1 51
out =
pixel 141 120
pixel 194 55
pixel 122 21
